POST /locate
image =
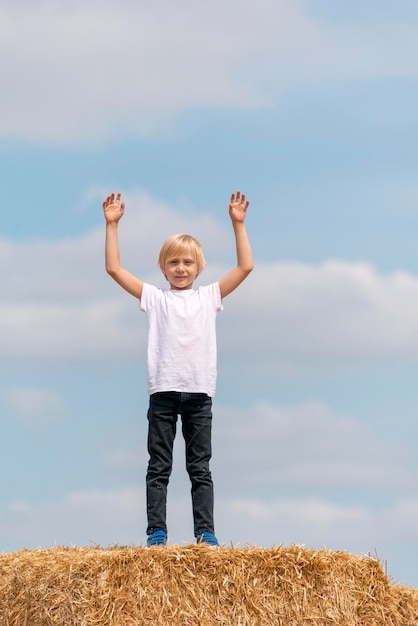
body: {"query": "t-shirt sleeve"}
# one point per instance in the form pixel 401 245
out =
pixel 213 292
pixel 149 293
pixel 218 298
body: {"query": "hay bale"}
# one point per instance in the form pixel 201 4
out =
pixel 406 599
pixel 198 585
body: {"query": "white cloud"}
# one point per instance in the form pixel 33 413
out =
pixel 34 405
pixel 59 304
pixel 363 50
pixel 118 517
pixel 334 309
pixel 318 523
pixel 307 450
pixel 307 520
pixel 72 270
pixel 306 447
pixel 80 518
pixel 125 459
pixel 96 68
pixel 84 71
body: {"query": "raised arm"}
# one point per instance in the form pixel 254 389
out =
pixel 113 210
pixel 237 210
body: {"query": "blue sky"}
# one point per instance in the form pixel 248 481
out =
pixel 310 107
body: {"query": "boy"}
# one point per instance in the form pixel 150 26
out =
pixel 181 360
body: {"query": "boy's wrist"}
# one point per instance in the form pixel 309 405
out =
pixel 238 224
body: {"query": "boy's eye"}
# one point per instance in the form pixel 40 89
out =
pixel 177 261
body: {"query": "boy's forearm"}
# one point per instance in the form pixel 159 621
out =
pixel 125 279
pixel 244 254
pixel 237 210
pixel 245 263
pixel 112 255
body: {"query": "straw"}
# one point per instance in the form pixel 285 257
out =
pixel 198 585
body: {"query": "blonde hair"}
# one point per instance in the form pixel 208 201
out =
pixel 179 245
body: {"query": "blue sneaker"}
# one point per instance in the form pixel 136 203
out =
pixel 157 538
pixel 207 537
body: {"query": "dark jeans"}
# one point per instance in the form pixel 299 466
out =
pixel 195 410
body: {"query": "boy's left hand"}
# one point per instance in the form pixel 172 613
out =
pixel 238 207
pixel 113 208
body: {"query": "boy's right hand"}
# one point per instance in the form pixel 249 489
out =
pixel 113 208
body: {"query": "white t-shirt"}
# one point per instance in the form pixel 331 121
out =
pixel 182 338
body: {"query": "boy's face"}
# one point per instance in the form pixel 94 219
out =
pixel 181 271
